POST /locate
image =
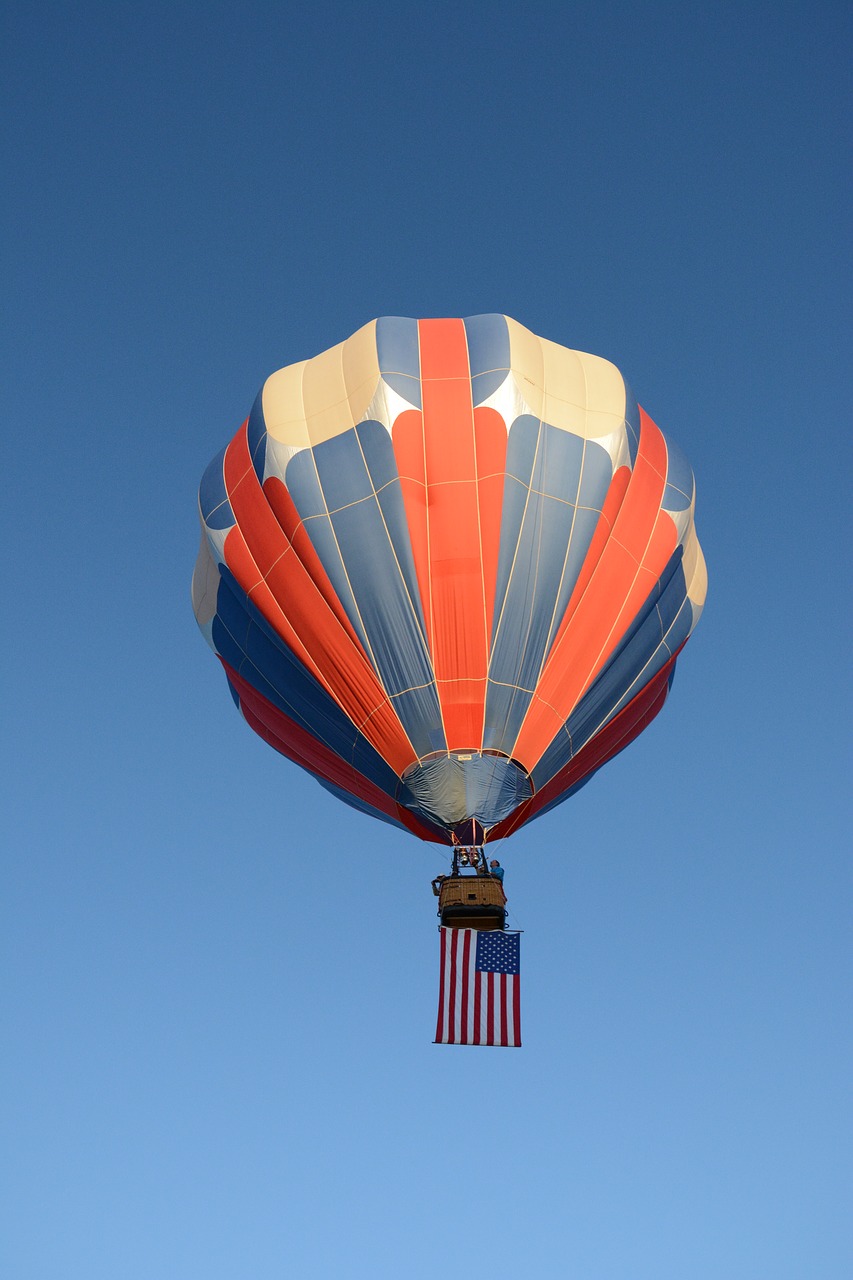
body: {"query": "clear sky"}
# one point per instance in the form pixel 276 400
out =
pixel 218 984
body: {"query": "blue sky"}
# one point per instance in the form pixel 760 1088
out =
pixel 219 985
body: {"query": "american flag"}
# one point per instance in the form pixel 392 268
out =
pixel 479 998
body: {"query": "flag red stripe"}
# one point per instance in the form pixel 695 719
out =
pixel 451 1013
pixel 478 1007
pixel 516 1009
pixel 439 1026
pixel 504 1028
pixel 466 964
pixel 490 1012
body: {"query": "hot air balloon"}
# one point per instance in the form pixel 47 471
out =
pixel 448 567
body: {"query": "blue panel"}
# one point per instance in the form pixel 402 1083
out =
pixel 540 560
pixel 256 432
pixel 521 455
pixel 213 501
pixel 450 788
pixel 304 488
pixel 245 640
pixel 595 480
pixel 494 788
pixel 398 351
pixel 381 463
pixel 378 449
pixel 512 514
pixel 488 354
pixel 365 548
pixel 674 638
pixel 679 480
pixel 504 705
pixel 342 472
pixel 387 611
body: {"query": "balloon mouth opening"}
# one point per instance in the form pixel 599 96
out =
pixel 465 792
pixel 469 832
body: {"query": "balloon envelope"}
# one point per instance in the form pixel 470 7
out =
pixel 448 567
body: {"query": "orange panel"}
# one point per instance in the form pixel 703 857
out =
pixel 662 543
pixel 604 528
pixel 283 508
pixel 335 654
pixel 240 562
pixel 490 444
pixel 456 602
pixel 444 349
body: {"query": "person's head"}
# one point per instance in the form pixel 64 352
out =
pixel 494 863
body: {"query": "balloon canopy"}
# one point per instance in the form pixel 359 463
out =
pixel 448 567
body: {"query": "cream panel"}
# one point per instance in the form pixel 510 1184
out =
pixel 695 570
pixel 205 583
pixel 361 368
pixel 525 357
pixel 318 399
pixel 683 521
pixel 338 385
pixel 282 405
pixel 324 395
pixel 573 390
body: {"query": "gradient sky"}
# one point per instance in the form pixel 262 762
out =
pixel 219 984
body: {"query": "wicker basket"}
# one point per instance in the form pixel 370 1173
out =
pixel 472 902
pixel 479 891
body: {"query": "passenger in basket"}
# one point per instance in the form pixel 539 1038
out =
pixel 496 870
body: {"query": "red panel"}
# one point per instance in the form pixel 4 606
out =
pixel 631 562
pixel 617 735
pixel 283 508
pixel 465 978
pixel 272 577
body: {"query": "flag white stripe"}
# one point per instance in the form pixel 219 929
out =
pixel 510 1012
pixel 457 993
pixel 445 995
pixel 472 983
